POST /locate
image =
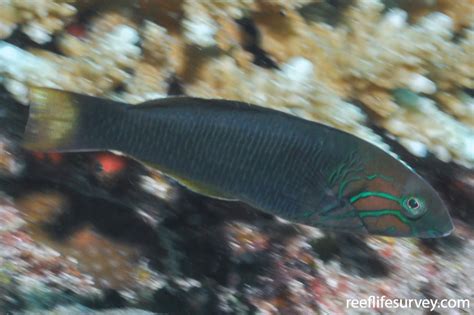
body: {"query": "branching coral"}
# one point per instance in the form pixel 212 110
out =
pixel 368 57
pixel 39 19
pixel 238 9
pixel 371 54
pixel 97 63
pixel 405 67
pixel 365 58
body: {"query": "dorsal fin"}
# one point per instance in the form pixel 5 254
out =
pixel 162 102
pixel 185 101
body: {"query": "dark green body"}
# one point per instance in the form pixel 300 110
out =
pixel 274 161
pixel 297 169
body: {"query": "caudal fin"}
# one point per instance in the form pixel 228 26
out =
pixel 65 121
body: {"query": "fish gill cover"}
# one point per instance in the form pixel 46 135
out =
pixel 88 231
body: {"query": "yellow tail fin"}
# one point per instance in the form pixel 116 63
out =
pixel 52 120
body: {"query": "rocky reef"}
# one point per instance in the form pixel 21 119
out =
pixel 97 232
pixel 406 66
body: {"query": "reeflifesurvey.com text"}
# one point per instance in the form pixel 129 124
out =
pixel 383 302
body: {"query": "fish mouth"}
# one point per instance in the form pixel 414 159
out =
pixel 441 227
pixel 437 233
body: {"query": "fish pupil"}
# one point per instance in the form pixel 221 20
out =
pixel 413 204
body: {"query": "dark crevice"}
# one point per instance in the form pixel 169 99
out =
pixel 110 299
pixel 469 91
pixel 21 40
pixel 119 89
pixel 353 253
pixel 445 245
pixel 252 41
pixel 175 86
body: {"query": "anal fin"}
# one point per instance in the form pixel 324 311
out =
pixel 194 186
pixel 203 189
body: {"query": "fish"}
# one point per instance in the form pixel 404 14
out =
pixel 299 170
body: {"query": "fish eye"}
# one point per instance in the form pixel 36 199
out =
pixel 413 203
pixel 414 207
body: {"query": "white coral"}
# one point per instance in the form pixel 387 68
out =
pixel 22 68
pixel 200 29
pixel 39 18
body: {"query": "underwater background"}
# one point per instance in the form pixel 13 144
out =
pixel 99 233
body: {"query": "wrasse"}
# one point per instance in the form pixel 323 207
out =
pixel 300 170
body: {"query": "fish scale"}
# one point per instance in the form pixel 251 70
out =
pixel 300 170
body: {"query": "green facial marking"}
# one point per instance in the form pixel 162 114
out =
pixel 352 164
pixel 414 207
pixel 383 212
pixel 378 213
pixel 347 172
pixel 352 170
pixel 344 184
pixel 341 191
pixel 366 194
pixel 374 176
pixel 335 174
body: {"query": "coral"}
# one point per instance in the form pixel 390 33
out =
pixel 319 71
pixel 238 9
pixel 427 127
pixel 199 28
pixel 401 66
pixel 334 64
pixel 38 19
pixel 459 11
pixel 29 263
pixel 9 218
pixel 148 83
pixel 98 62
pixel 292 89
pixel 246 239
pixel 114 266
pixel 368 68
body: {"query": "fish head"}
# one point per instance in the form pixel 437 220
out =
pixel 396 201
pixel 421 205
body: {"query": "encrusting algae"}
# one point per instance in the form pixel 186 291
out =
pixel 111 264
